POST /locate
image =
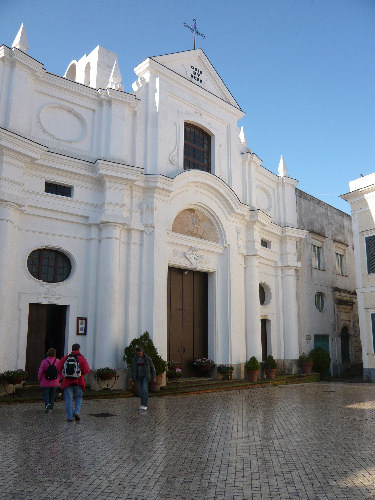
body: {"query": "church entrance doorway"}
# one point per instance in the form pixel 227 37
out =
pixel 187 317
pixel 46 328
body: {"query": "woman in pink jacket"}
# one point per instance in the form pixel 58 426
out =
pixel 49 379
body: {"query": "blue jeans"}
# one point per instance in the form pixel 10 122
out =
pixel 48 394
pixel 143 390
pixel 70 392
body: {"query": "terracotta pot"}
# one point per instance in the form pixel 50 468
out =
pixel 252 375
pixel 155 386
pixel 204 370
pixel 270 373
pixel 306 367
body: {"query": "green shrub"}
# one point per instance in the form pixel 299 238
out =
pixel 305 358
pixel 270 363
pixel 145 341
pixel 252 364
pixel 321 359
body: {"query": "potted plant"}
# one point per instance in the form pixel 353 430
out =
pixel 174 370
pixel 15 376
pixel 226 371
pixel 204 365
pixel 270 367
pixel 252 367
pixel 106 373
pixel 145 341
pixel 321 360
pixel 305 363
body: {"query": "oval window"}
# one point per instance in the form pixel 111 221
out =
pixel 48 265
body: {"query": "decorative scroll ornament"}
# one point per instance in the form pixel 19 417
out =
pixel 173 157
pixel 148 230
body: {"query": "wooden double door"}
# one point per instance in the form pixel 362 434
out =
pixel 187 317
pixel 46 328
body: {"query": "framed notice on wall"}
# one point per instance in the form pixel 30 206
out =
pixel 81 326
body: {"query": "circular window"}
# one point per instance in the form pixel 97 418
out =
pixel 262 295
pixel 319 301
pixel 49 265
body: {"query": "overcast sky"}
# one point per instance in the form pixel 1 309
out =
pixel 302 70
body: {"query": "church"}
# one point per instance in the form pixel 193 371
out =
pixel 124 212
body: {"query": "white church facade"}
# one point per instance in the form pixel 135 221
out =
pixel 122 212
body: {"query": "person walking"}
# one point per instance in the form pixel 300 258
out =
pixel 73 367
pixel 142 370
pixel 49 379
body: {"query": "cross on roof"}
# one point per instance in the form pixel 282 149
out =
pixel 194 30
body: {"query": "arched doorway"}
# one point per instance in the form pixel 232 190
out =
pixel 345 345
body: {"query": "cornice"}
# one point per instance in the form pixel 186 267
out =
pixel 294 232
pixel 17 144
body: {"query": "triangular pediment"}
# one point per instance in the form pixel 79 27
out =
pixel 195 66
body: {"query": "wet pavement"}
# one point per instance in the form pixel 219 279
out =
pixel 311 441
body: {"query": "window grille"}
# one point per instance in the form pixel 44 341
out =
pixel 197 149
pixel 58 189
pixel 48 265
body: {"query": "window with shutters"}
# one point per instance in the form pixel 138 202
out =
pixel 340 264
pixel 319 301
pixel 317 257
pixel 370 252
pixel 197 148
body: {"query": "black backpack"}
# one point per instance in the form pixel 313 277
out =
pixel 51 372
pixel 71 367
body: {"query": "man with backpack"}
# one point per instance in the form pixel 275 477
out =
pixel 73 367
pixel 49 379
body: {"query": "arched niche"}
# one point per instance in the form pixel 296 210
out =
pixel 87 74
pixel 193 222
pixel 71 72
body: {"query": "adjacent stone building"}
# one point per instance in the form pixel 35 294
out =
pixel 328 315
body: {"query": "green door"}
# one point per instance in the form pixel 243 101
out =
pixel 322 341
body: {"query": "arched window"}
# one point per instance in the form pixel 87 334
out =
pixel 197 148
pixel 49 265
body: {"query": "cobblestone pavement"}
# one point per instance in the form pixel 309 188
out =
pixel 313 441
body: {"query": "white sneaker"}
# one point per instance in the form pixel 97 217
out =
pixel 142 407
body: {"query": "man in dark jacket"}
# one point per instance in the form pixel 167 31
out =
pixel 142 370
pixel 73 381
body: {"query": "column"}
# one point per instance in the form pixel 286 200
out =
pixel 290 313
pixel 107 297
pixel 8 320
pixel 252 308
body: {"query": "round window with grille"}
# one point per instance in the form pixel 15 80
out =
pixel 49 265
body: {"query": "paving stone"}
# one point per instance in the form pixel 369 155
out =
pixel 305 442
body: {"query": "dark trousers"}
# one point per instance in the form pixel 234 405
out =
pixel 48 394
